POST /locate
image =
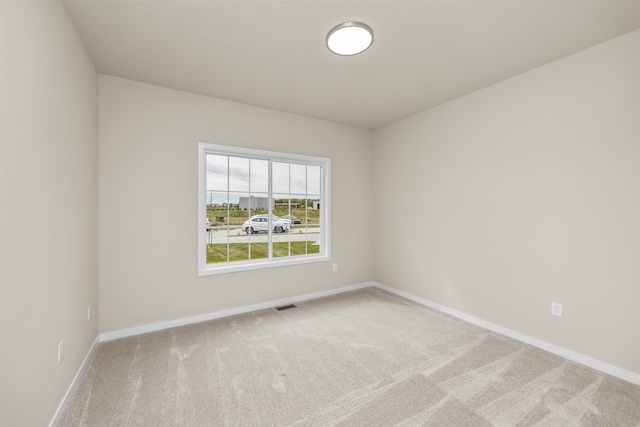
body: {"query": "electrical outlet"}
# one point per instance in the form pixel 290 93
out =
pixel 89 314
pixel 556 309
pixel 60 351
pixel 335 267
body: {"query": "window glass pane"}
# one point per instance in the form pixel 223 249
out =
pixel 308 231
pixel 313 240
pixel 299 208
pixel 283 219
pixel 313 180
pixel 238 174
pixel 298 178
pixel 281 205
pixel 255 228
pixel 280 173
pixel 259 179
pixel 217 230
pixel 234 200
pixel 218 199
pixel 259 250
pixel 313 209
pixel 226 220
pixel 217 203
pixel 217 172
pixel 255 202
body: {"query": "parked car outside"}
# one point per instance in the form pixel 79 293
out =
pixel 208 225
pixel 259 223
pixel 286 220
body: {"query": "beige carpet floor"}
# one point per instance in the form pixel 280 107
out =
pixel 362 358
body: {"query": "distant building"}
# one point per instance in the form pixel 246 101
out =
pixel 315 205
pixel 288 205
pixel 253 203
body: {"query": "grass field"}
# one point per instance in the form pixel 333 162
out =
pixel 240 251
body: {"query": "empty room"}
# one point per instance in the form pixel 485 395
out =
pixel 320 213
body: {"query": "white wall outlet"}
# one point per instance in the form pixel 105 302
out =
pixel 335 267
pixel 556 309
pixel 60 351
pixel 89 314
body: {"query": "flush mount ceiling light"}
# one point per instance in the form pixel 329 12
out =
pixel 349 38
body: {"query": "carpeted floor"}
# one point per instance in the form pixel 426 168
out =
pixel 363 358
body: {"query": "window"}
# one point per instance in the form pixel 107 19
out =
pixel 260 209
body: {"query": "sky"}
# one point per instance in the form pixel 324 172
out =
pixel 229 178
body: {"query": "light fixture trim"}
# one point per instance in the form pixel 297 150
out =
pixel 349 38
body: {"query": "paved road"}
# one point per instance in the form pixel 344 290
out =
pixel 236 235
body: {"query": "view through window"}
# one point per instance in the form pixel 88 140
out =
pixel 261 209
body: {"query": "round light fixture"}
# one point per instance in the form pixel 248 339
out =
pixel 349 38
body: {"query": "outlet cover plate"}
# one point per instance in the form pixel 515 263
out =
pixel 60 351
pixel 556 309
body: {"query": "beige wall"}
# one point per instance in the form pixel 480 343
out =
pixel 148 203
pixel 521 194
pixel 49 208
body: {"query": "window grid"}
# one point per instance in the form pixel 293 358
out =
pixel 320 204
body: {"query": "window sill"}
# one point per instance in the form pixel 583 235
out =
pixel 238 266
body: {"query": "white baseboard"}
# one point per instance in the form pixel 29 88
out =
pixel 108 336
pixel 74 383
pixel 551 348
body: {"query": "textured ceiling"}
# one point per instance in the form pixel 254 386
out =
pixel 272 53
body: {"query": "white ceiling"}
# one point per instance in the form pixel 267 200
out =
pixel 272 53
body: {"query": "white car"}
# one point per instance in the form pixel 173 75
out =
pixel 261 223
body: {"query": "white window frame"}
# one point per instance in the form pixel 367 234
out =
pixel 205 269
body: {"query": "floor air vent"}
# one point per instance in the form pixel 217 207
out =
pixel 285 307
